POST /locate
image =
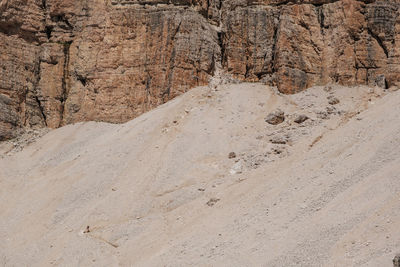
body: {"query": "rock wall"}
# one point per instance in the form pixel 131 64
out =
pixel 111 60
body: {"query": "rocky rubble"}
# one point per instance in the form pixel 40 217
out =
pixel 67 61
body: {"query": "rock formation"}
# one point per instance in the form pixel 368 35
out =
pixel 68 61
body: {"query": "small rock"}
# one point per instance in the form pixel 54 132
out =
pixel 212 201
pixel 87 230
pixel 232 155
pixel 277 151
pixel 275 117
pixel 330 109
pixel 201 189
pixel 333 100
pixel 236 168
pixel 278 139
pixel 300 119
pixel 322 115
pixel 396 261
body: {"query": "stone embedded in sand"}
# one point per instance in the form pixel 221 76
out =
pixel 237 168
pixel 275 117
pixel 300 119
pixel 232 155
pixel 322 115
pixel 87 230
pixel 212 201
pixel 396 261
pixel 333 100
pixel 331 110
pixel 279 139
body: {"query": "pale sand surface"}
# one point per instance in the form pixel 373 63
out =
pixel 330 196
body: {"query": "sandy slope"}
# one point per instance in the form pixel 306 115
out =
pixel 328 197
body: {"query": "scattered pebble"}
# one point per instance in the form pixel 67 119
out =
pixel 275 117
pixel 279 139
pixel 232 155
pixel 333 100
pixel 300 119
pixel 87 230
pixel 212 201
pixel 396 261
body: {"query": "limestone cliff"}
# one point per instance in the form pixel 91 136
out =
pixel 111 60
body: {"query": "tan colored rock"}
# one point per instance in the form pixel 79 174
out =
pixel 276 117
pixel 136 61
pixel 69 61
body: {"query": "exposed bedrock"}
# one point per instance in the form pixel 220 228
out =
pixel 69 61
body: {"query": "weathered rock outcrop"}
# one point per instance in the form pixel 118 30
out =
pixel 69 61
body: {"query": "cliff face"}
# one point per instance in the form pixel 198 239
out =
pixel 110 60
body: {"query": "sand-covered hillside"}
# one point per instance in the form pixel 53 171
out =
pixel 165 190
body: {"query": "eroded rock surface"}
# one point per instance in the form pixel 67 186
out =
pixel 67 61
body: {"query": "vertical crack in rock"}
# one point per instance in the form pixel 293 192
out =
pixel 166 93
pixel 41 109
pixel 65 79
pixel 36 95
pixel 272 67
pixel 321 18
pixel 48 30
pixel 222 47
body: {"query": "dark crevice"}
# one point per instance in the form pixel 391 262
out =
pixel 176 31
pixel 208 9
pixel 41 109
pixel 48 30
pixel 170 75
pixel 275 40
pixel 82 79
pixel 64 21
pixel 248 69
pixel 297 2
pixel 148 84
pixel 170 71
pixel 64 80
pixel 44 4
pixel 212 68
pixel 261 74
pixel 36 96
pixel 15 29
pixel 222 47
pixel 321 19
pixel 149 3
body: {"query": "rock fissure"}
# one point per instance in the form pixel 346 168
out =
pixel 39 103
pixel 65 79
